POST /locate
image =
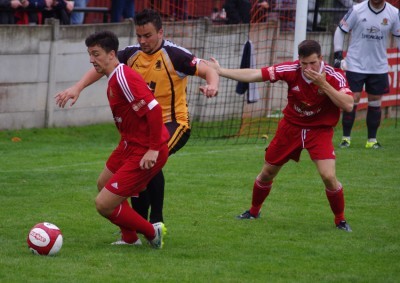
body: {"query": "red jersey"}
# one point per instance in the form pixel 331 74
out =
pixel 307 106
pixel 130 99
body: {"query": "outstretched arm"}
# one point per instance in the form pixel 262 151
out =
pixel 74 91
pixel 211 77
pixel 242 75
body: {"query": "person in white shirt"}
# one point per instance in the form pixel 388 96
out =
pixel 370 24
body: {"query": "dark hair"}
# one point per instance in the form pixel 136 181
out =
pixel 309 47
pixel 148 16
pixel 105 39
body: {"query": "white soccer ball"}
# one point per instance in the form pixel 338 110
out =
pixel 45 239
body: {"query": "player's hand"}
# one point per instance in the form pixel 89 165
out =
pixel 209 90
pixel 337 59
pixel 149 159
pixel 65 95
pixel 317 78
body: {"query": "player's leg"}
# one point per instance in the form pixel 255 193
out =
pixel 129 180
pixel 321 150
pixel 103 178
pixel 356 83
pixel 374 115
pixel 376 86
pixel 333 190
pixel 276 156
pixel 153 197
pixel 116 208
pixel 141 203
pixel 155 190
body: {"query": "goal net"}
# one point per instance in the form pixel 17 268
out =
pixel 241 112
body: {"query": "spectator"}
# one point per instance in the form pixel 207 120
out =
pixel 58 9
pixel 77 18
pixel 10 6
pixel 122 9
pixel 237 11
pixel 32 15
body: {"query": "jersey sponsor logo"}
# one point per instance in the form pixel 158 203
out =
pixel 136 106
pixel 307 113
pixel 373 33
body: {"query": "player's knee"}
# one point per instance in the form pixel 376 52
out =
pixel 267 174
pixel 329 179
pixel 101 207
pixel 100 184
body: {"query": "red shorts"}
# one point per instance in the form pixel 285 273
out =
pixel 290 140
pixel 129 179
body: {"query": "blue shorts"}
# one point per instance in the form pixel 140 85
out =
pixel 376 84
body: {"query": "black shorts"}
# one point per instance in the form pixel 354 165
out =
pixel 376 84
pixel 179 135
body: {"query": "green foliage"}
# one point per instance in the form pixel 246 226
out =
pixel 50 175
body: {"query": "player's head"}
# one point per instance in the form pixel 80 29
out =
pixel 102 48
pixel 309 47
pixel 148 16
pixel 149 30
pixel 310 55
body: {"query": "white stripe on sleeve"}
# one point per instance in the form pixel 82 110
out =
pixel 124 84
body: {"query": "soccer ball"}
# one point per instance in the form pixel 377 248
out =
pixel 45 239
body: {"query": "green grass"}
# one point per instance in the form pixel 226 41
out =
pixel 51 176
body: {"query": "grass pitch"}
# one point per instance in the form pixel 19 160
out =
pixel 50 175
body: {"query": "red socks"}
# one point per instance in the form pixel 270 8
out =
pixel 260 192
pixel 336 201
pixel 130 221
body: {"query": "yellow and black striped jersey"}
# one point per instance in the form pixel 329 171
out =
pixel 165 71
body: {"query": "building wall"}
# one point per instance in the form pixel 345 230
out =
pixel 39 61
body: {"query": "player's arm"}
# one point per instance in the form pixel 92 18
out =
pixel 74 91
pixel 338 42
pixel 211 77
pixel 339 97
pixel 242 75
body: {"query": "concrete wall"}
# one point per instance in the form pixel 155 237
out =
pixel 39 61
